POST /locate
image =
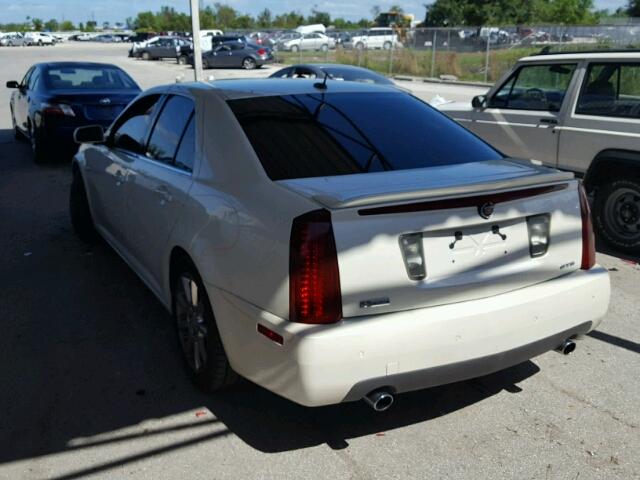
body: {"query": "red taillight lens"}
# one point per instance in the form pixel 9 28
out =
pixel 314 279
pixel 588 238
pixel 262 51
pixel 57 109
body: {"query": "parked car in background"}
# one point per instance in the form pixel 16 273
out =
pixel 341 38
pixel 340 243
pixel 238 55
pixel 14 40
pixel 307 41
pixel 107 38
pixel 165 47
pixel 578 112
pixel 56 97
pixel 348 73
pixel 37 38
pixel 142 37
pixel 379 37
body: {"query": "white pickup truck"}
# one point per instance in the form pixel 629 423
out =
pixel 577 112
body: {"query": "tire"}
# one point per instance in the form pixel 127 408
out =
pixel 324 48
pixel 39 43
pixel 359 46
pixel 249 63
pixel 146 56
pixel 182 60
pixel 295 49
pixel 386 45
pixel 37 147
pixel 197 331
pixel 79 211
pixel 616 214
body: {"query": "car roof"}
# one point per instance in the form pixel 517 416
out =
pixel 631 55
pixel 76 64
pixel 264 87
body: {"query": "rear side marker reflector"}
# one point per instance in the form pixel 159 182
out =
pixel 270 334
pixel 476 201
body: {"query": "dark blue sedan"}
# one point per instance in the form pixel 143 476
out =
pixel 55 98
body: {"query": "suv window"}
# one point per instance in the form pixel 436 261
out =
pixel 168 129
pixel 131 130
pixel 315 135
pixel 611 89
pixel 535 87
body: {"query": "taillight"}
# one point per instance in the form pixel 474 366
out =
pixel 61 109
pixel 314 279
pixel 262 51
pixel 588 238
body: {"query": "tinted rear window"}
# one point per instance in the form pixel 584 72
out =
pixel 316 135
pixel 88 78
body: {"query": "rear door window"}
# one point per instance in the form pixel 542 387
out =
pixel 535 87
pixel 611 90
pixel 169 128
pixel 314 135
pixel 130 132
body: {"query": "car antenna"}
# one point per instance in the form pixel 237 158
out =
pixel 322 85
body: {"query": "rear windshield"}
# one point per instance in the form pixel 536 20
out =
pixel 88 78
pixel 317 135
pixel 363 76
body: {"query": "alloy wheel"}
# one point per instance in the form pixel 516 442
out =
pixel 192 329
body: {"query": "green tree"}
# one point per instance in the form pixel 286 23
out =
pixel 264 19
pixel 225 15
pixel 319 17
pixel 633 8
pixel 81 27
pixel 67 26
pixel 37 24
pixel 52 25
pixel 288 20
pixel 91 26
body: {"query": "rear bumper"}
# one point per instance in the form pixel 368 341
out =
pixel 404 351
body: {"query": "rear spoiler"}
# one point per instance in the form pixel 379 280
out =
pixel 355 200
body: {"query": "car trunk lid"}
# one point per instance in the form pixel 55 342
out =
pixel 468 252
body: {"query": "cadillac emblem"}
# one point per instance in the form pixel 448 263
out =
pixel 486 210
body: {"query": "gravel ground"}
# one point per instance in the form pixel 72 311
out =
pixel 93 387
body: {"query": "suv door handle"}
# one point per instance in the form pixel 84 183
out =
pixel 549 121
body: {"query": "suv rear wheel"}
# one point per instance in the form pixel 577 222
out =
pixel 617 214
pixel 248 63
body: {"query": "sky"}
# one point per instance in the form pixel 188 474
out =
pixel 119 10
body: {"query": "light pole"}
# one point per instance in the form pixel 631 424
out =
pixel 195 29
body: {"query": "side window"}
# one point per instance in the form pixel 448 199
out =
pixel 167 131
pixel 187 148
pixel 611 90
pixel 535 87
pixel 33 79
pixel 131 131
pixel 25 80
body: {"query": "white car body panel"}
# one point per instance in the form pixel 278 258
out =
pixel 235 224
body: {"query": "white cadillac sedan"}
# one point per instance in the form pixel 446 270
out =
pixel 337 241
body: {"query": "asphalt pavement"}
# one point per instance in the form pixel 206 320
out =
pixel 92 384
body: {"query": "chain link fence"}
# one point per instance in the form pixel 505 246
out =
pixel 475 54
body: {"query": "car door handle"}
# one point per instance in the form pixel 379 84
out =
pixel 164 193
pixel 549 121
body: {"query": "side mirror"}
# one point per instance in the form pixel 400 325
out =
pixel 13 84
pixel 89 134
pixel 479 101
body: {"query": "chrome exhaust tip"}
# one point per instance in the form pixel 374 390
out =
pixel 379 400
pixel 566 347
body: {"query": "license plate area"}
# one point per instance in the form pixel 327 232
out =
pixel 459 250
